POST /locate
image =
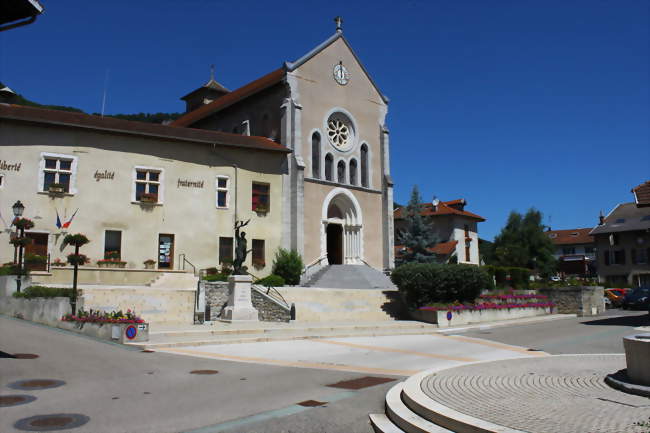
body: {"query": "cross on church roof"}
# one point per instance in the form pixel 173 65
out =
pixel 339 24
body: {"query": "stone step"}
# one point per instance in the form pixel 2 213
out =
pixel 158 342
pixel 351 277
pixel 382 424
pixel 417 402
pixel 406 419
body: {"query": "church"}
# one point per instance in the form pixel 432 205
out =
pixel 303 152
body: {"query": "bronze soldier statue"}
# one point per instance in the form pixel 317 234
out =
pixel 240 248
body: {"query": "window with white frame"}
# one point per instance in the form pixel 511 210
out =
pixel 57 172
pixel 148 185
pixel 223 196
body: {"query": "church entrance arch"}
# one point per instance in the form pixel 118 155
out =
pixel 342 228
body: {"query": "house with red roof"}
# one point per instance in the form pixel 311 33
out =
pixel 456 228
pixel 575 250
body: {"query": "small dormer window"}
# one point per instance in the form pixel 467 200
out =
pixel 620 220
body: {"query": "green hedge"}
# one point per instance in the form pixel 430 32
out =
pixel 271 281
pixel 44 292
pixel 9 270
pixel 519 277
pixel 216 277
pixel 288 264
pixel 425 283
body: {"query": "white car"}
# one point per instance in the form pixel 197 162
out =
pixel 556 278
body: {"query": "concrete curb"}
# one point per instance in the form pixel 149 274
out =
pixel 489 325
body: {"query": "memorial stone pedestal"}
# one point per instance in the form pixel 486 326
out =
pixel 240 308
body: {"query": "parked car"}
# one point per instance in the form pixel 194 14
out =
pixel 638 298
pixel 616 296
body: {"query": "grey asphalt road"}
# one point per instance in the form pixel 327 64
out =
pixel 124 390
pixel 602 334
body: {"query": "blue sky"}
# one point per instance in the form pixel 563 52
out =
pixel 508 104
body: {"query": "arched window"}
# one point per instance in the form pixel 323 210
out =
pixel 340 171
pixel 315 155
pixel 364 165
pixel 353 172
pixel 329 166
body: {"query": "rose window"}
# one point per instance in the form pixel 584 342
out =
pixel 340 132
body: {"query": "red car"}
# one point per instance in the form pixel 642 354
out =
pixel 616 295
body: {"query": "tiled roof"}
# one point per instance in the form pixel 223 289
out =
pixel 642 194
pixel 442 248
pixel 231 98
pixel 443 208
pixel 570 237
pixel 110 124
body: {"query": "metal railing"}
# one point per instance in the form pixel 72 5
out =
pixel 272 293
pixel 186 261
pixel 313 263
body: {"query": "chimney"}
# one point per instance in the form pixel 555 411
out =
pixel 601 218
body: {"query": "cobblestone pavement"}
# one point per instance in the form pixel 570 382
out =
pixel 555 394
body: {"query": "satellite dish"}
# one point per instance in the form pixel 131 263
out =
pixel 435 201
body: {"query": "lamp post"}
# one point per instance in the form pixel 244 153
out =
pixel 18 209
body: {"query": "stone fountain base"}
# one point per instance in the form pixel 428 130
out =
pixel 636 378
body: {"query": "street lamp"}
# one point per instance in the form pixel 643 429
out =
pixel 18 209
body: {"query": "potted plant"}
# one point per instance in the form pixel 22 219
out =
pixel 56 188
pixel 149 263
pixel 149 198
pixel 261 208
pixel 75 259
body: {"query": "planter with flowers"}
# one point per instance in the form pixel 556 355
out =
pixel 463 314
pixel 148 198
pixel 258 263
pixel 56 189
pixel 111 260
pixel 116 325
pixel 149 264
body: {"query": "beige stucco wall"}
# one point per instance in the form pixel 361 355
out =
pixel 315 89
pixel 189 213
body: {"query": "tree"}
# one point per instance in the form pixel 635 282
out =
pixel 523 243
pixel 418 238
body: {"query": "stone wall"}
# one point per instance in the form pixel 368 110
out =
pixel 216 298
pixel 580 300
pixel 41 310
pixel 268 310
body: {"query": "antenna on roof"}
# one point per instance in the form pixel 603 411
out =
pixel 104 97
pixel 339 24
pixel 211 72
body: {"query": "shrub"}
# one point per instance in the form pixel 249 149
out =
pixel 271 281
pixel 8 269
pixel 216 277
pixel 288 265
pixel 43 292
pixel 211 271
pixel 424 283
pixel 519 277
pixel 35 259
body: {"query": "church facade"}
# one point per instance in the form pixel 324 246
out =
pixel 337 188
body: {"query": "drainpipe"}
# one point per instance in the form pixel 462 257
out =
pixel 235 190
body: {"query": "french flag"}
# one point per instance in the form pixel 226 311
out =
pixel 67 223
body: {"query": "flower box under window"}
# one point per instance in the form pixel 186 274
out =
pixel 56 188
pixel 148 198
pixel 261 197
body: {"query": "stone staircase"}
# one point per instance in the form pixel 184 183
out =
pixel 350 277
pixel 174 281
pixel 410 410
